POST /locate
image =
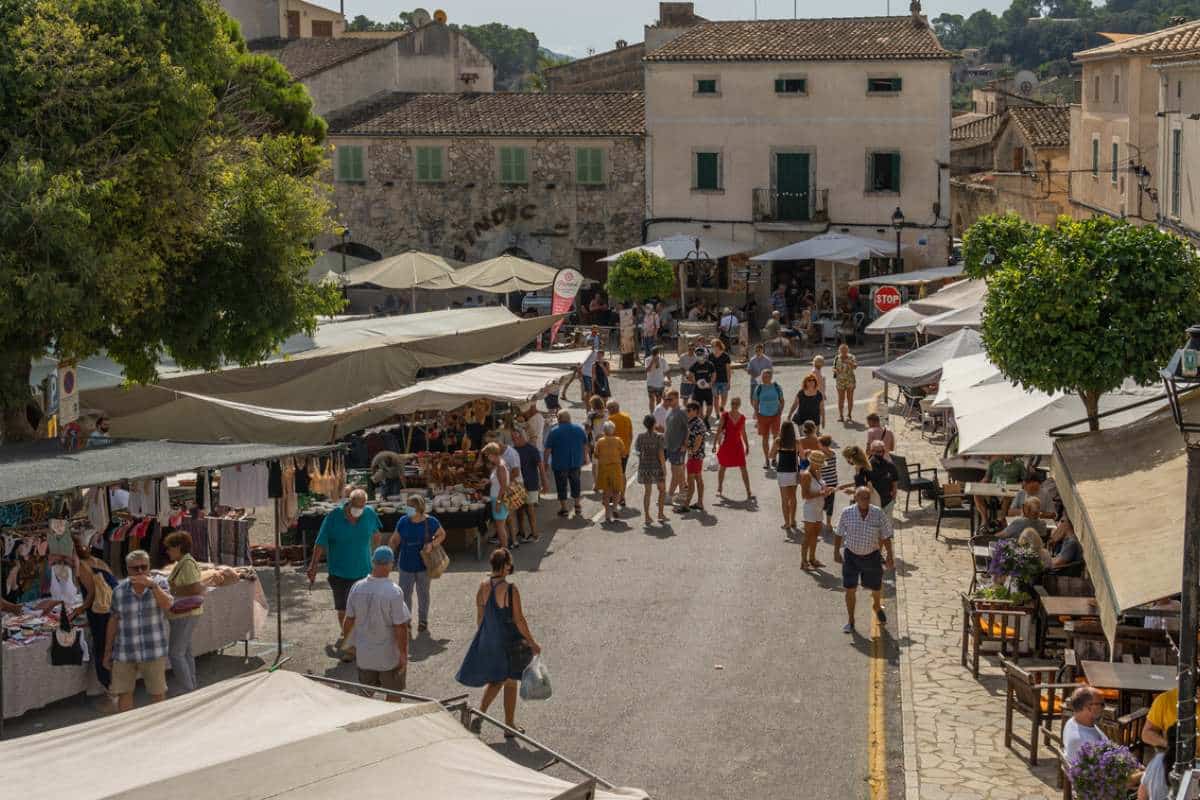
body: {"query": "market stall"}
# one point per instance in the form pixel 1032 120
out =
pixel 839 250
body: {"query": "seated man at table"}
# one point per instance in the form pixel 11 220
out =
pixel 1006 468
pixel 1036 484
pixel 1065 550
pixel 1087 705
pixel 773 328
pixel 1031 517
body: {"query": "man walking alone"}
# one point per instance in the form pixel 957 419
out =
pixel 863 529
pixel 378 619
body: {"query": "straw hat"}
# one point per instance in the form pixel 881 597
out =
pixel 818 457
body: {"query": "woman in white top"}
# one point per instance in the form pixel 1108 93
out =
pixel 819 370
pixel 499 479
pixel 812 491
pixel 656 377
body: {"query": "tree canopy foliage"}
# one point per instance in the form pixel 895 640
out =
pixel 1083 306
pixel 638 275
pixel 1042 34
pixel 160 195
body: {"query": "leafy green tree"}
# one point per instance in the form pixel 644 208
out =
pixel 513 51
pixel 638 275
pixel 1082 307
pixel 948 28
pixel 161 192
pixel 996 234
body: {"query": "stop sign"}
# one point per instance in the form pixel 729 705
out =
pixel 887 298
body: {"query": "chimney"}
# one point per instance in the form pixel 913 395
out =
pixel 1176 21
pixel 915 9
pixel 622 44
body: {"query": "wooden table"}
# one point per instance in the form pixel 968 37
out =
pixel 1130 679
pixel 1053 606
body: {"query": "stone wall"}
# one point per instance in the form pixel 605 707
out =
pixel 614 71
pixel 471 216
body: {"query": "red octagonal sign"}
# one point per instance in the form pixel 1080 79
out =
pixel 887 298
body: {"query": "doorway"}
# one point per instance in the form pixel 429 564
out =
pixel 293 23
pixel 797 277
pixel 791 187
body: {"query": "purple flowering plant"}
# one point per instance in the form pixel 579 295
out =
pixel 1102 771
pixel 1009 557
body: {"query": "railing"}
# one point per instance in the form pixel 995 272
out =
pixel 771 205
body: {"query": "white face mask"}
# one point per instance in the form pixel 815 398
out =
pixel 355 513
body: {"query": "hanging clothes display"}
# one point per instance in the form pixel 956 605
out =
pixel 244 486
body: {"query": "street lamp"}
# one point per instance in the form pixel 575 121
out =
pixel 695 255
pixel 1181 376
pixel 898 223
pixel 345 237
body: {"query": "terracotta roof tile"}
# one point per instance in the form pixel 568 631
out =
pixel 1176 39
pixel 305 57
pixel 850 39
pixel 494 114
pixel 975 131
pixel 1043 126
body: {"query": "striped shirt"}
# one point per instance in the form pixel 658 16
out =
pixel 142 630
pixel 862 535
pixel 829 474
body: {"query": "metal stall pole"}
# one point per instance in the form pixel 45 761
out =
pixel 278 587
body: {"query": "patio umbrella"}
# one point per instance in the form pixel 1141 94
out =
pixel 901 319
pixel 959 294
pixel 405 271
pixel 950 321
pixel 962 373
pixel 499 275
pixel 924 365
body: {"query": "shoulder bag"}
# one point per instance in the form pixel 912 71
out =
pixel 519 651
pixel 65 648
pixel 436 560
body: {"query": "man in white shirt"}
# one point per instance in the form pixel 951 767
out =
pixel 535 423
pixel 378 618
pixel 650 327
pixel 1086 704
pixel 728 325
pixel 585 375
pixel 863 529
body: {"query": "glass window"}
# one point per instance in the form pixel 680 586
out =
pixel 883 85
pixel 350 164
pixel 706 86
pixel 708 171
pixel 1176 161
pixel 1095 157
pixel 1113 176
pixel 429 164
pixel 514 165
pixel 883 172
pixel 589 165
pixel 791 86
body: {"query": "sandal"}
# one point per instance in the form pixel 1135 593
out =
pixel 510 734
pixel 564 513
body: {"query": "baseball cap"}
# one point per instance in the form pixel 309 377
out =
pixel 383 555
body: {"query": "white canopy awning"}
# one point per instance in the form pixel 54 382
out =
pixel 924 365
pixel 1124 489
pixel 914 278
pixel 963 373
pixel 554 358
pixel 277 734
pixel 839 247
pixel 683 247
pixel 406 271
pixel 999 418
pixel 957 295
pixel 901 319
pixel 498 276
pixel 953 320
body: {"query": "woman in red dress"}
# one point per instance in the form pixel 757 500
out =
pixel 732 445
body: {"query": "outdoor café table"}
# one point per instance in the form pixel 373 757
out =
pixel 991 490
pixel 1129 679
pixel 1053 606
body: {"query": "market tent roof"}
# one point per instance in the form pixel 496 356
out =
pixel 956 295
pixel 498 275
pixel 405 271
pixel 346 364
pixel 953 320
pixel 840 247
pixel 963 373
pixel 924 365
pixel 914 278
pixel 278 734
pixel 999 418
pixel 1124 490
pixel 901 319
pixel 34 469
pixel 554 358
pixel 682 247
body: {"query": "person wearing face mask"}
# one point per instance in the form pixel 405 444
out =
pixel 348 535
pixel 416 533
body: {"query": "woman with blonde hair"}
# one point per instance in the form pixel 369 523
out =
pixel 610 477
pixel 497 489
pixel 1030 538
pixel 844 379
pixel 813 491
pixel 818 369
pixel 416 533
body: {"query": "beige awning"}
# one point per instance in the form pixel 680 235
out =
pixel 1124 490
pixel 405 271
pixel 498 275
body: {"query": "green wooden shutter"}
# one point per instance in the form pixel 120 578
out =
pixel 423 164
pixel 429 164
pixel 435 163
pixel 895 159
pixel 513 165
pixel 350 163
pixel 589 165
pixel 506 165
pixel 519 166
pixel 1095 157
pixel 597 157
pixel 707 176
pixel 1113 177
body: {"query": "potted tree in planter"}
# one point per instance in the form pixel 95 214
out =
pixel 633 278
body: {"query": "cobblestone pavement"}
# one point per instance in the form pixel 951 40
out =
pixel 953 724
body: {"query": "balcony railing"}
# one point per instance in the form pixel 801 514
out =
pixel 775 206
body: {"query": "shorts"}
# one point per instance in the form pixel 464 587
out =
pixel 675 457
pixel 392 679
pixel 655 390
pixel 341 590
pixel 587 383
pixel 695 466
pixel 686 390
pixel 567 479
pixel 768 425
pixel 153 674
pixel 721 388
pixel 868 568
pixel 703 396
pixel 532 498
pixel 499 510
pixel 786 478
pixel 829 505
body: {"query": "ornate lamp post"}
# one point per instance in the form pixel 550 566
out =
pixel 345 239
pixel 898 224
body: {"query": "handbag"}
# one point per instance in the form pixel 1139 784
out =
pixel 65 648
pixel 514 496
pixel 437 559
pixel 519 651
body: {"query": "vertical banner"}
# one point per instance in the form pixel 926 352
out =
pixel 68 394
pixel 566 286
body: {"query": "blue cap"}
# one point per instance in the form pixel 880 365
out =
pixel 383 555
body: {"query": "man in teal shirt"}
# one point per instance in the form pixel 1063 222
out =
pixel 1008 469
pixel 347 537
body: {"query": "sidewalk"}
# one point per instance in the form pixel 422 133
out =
pixel 953 724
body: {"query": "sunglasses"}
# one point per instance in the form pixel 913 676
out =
pixel 135 568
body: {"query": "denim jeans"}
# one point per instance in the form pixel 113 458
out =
pixel 421 581
pixel 183 663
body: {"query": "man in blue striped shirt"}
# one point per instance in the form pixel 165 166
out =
pixel 138 634
pixel 862 530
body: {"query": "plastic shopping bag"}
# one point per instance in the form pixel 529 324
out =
pixel 535 681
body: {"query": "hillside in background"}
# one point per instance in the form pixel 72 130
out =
pixel 1041 36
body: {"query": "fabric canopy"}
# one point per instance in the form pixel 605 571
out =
pixel 963 373
pixel 498 275
pixel 901 319
pixel 683 247
pixel 346 364
pixel 914 278
pixel 277 735
pixel 405 271
pixel 553 358
pixel 999 418
pixel 840 247
pixel 924 365
pixel 953 320
pixel 1124 490
pixel 957 295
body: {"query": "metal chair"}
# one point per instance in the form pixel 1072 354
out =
pixel 952 505
pixel 907 483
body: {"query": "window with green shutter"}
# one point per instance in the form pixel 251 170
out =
pixel 1176 171
pixel 350 164
pixel 513 165
pixel 708 171
pixel 706 86
pixel 589 165
pixel 883 172
pixel 429 165
pixel 1095 157
pixel 791 86
pixel 883 85
pixel 1113 176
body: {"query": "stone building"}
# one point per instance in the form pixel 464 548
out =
pixel 342 71
pixel 284 19
pixel 559 178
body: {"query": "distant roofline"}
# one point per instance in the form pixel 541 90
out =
pixel 1122 47
pixel 601 54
